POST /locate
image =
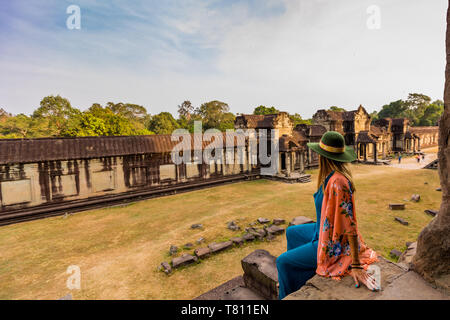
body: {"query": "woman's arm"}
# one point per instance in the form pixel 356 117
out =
pixel 358 272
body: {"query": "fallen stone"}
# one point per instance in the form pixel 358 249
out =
pixel 263 220
pixel 260 274
pixel 397 206
pixel 217 247
pixel 202 252
pixel 415 198
pixel 277 222
pixel 197 226
pixel 173 250
pixel 270 237
pixel 432 213
pixel 259 233
pixel 402 221
pixel 233 226
pixel 395 253
pixel 300 220
pixel 184 260
pixel 248 237
pixel 201 240
pixel 188 246
pixel 439 189
pixel 166 268
pixel 275 230
pixel 237 240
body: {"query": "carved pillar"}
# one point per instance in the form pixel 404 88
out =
pixel 365 152
pixel 375 149
pixel 432 259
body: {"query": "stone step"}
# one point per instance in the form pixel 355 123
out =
pixel 242 293
pixel 260 274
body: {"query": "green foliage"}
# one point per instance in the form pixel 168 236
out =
pixel 262 110
pixel 417 108
pixel 297 119
pixel 338 109
pixel 215 115
pixel 163 123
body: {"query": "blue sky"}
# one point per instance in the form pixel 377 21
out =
pixel 298 55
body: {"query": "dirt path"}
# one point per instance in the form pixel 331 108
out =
pixel 411 162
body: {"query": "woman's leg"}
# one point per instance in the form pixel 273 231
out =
pixel 299 235
pixel 295 267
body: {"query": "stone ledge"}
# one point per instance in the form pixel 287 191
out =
pixel 397 283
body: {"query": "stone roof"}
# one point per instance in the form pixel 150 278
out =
pixel 253 121
pixel 366 137
pixel 53 149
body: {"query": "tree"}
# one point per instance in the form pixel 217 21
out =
pixel 215 115
pixel 185 110
pixel 262 110
pixel 297 119
pixel 163 123
pixel 338 109
pixel 57 112
pixel 431 115
pixel 396 109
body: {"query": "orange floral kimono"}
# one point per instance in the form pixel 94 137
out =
pixel 337 222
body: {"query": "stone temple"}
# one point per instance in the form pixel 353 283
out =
pixel 50 176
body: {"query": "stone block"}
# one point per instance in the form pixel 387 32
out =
pixel 184 260
pixel 300 220
pixel 248 237
pixel 275 230
pixel 166 268
pixel 217 247
pixel 395 253
pixel 432 213
pixel 402 221
pixel 415 198
pixel 260 274
pixel 173 250
pixel 263 220
pixel 397 206
pixel 277 222
pixel 241 293
pixel 237 240
pixel 202 253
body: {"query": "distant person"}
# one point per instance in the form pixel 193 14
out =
pixel 399 158
pixel 418 159
pixel 331 247
pixel 423 156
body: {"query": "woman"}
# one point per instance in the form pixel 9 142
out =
pixel 332 247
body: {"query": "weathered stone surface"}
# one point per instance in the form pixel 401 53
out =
pixel 166 268
pixel 397 206
pixel 258 233
pixel 275 230
pixel 237 240
pixel 322 288
pixel 415 198
pixel 260 273
pixel 402 221
pixel 248 237
pixel 173 250
pixel 407 256
pixel 300 220
pixel 202 252
pixel 219 292
pixel 395 253
pixel 277 222
pixel 185 259
pixel 432 213
pixel 233 226
pixel 263 220
pixel 241 293
pixel 217 247
pixel 197 226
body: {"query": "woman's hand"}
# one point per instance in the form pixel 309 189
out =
pixel 361 275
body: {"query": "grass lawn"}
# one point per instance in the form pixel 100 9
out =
pixel 119 249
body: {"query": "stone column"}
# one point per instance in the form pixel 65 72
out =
pixel 365 152
pixel 432 259
pixel 375 152
pixel 302 162
pixel 288 164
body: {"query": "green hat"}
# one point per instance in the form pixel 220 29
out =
pixel 332 146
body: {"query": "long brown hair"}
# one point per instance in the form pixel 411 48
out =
pixel 326 166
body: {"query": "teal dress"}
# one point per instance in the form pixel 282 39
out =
pixel 299 263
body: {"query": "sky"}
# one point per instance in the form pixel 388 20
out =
pixel 297 55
